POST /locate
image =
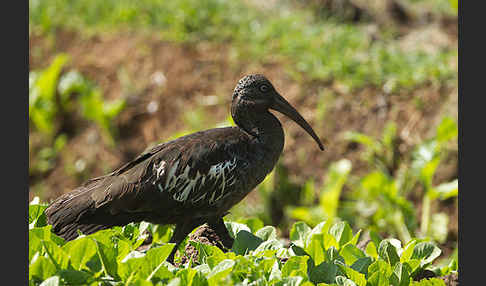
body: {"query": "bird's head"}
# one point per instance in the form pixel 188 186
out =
pixel 257 92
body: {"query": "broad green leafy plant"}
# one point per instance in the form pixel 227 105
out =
pixel 329 195
pixel 380 196
pixel 324 255
pixel 55 96
pixel 52 94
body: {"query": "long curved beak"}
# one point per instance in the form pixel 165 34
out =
pixel 283 106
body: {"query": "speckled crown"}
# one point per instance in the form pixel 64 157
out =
pixel 249 81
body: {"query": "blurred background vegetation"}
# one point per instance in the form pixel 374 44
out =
pixel 376 79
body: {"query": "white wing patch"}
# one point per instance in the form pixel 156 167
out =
pixel 160 170
pixel 182 186
pixel 220 172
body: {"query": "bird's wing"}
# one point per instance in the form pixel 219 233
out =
pixel 188 170
pixel 202 168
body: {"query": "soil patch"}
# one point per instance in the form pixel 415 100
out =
pixel 162 81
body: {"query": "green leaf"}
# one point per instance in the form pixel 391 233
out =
pixel 295 266
pixel 343 281
pixel 371 250
pixel 351 253
pixel 408 250
pixel 107 256
pixel 354 275
pixel 254 224
pixel 35 247
pixel 153 264
pixel 445 191
pixel 414 265
pixel 51 281
pixel 426 252
pixel 291 281
pixel 321 228
pixel 388 252
pixel 74 277
pixel 220 271
pixel 58 257
pixel 266 233
pixel 203 268
pixel 375 237
pixel 60 142
pixel 191 277
pixel 107 236
pixel 206 250
pixel 397 243
pixel 176 281
pixel 245 241
pixel 297 250
pixel 130 265
pixel 140 282
pixel 45 233
pixel 379 273
pixel 48 79
pixel 447 130
pixel 275 273
pixel 42 102
pixel 428 171
pixel 266 264
pixel 130 231
pixel 323 273
pixel 80 251
pixel 361 265
pixel 315 248
pixel 400 275
pixel 454 4
pixel 389 135
pixel 271 244
pixel 453 264
pixel 69 83
pixel 378 279
pixel 41 268
pixel 355 238
pixel 37 217
pixel 307 214
pixel 336 177
pixel 342 232
pixel 113 108
pixel 299 233
pixel 124 247
pixel 332 255
pixel 308 193
pixel 234 228
pixel 161 233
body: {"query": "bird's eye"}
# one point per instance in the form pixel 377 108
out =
pixel 264 88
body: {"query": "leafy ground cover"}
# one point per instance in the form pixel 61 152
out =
pixel 328 254
pixel 109 79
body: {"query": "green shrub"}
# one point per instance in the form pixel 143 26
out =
pixel 327 253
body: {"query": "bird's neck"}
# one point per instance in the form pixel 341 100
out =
pixel 264 127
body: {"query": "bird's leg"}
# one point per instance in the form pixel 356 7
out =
pixel 180 233
pixel 217 224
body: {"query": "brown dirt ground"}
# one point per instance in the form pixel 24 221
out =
pixel 129 64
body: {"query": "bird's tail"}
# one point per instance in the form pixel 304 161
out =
pixel 72 212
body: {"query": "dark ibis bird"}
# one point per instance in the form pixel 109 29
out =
pixel 189 181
